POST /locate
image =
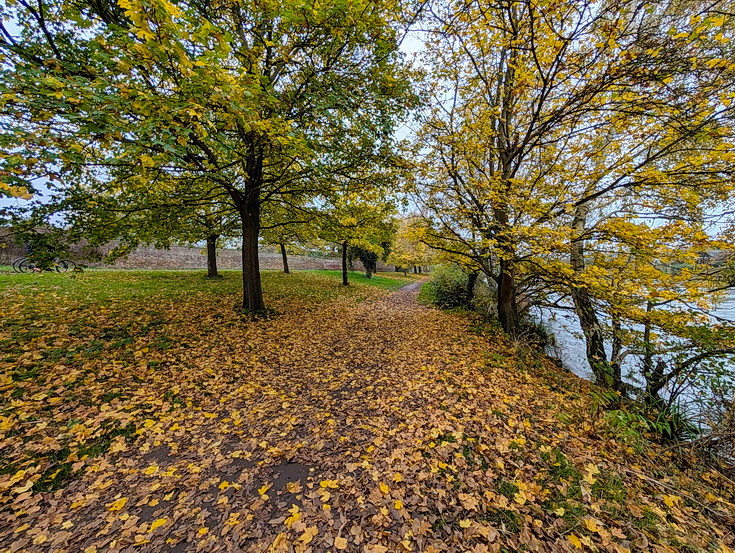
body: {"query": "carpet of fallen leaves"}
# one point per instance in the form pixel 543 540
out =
pixel 352 421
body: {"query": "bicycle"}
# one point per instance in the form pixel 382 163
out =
pixel 27 265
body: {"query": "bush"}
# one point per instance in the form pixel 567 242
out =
pixel 448 287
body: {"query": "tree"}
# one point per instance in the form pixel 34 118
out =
pixel 652 185
pixel 361 221
pixel 525 95
pixel 130 215
pixel 407 249
pixel 251 97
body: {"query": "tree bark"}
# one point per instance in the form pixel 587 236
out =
pixel 588 320
pixel 470 291
pixel 507 306
pixel 285 258
pixel 212 256
pixel 345 279
pixel 252 300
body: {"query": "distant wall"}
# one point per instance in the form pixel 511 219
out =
pixel 180 257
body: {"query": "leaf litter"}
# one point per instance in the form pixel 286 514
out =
pixel 362 421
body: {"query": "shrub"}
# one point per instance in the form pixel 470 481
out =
pixel 448 287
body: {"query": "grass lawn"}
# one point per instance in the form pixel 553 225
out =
pixel 102 285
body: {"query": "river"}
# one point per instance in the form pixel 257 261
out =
pixel 570 346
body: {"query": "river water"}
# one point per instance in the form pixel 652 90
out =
pixel 570 346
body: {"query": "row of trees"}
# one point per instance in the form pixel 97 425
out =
pixel 580 155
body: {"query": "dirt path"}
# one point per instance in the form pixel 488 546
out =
pixel 382 426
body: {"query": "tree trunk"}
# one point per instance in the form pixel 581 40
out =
pixel 507 306
pixel 588 320
pixel 345 279
pixel 212 256
pixel 470 291
pixel 252 300
pixel 285 258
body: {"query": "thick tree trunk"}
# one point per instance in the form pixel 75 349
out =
pixel 588 320
pixel 285 258
pixel 507 306
pixel 345 279
pixel 594 338
pixel 212 256
pixel 252 300
pixel 616 363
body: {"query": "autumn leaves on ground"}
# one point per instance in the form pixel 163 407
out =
pixel 140 412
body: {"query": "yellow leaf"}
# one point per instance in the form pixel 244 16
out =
pixel 589 479
pixel 591 525
pixel 384 487
pixel 329 484
pixel 119 504
pixel 264 488
pixel 575 541
pixel 224 485
pixel 203 531
pixel 295 516
pixel 465 523
pixel 309 534
pixel 559 512
pixel 90 549
pixel 158 523
pixel 398 504
pixel 340 543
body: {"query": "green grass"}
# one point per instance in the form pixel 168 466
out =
pixel 386 281
pixel 104 285
pixel 426 296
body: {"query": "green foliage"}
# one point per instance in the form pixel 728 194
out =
pixel 448 287
pixel 368 258
pixel 637 422
pixel 167 107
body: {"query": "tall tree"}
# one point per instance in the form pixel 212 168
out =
pixel 524 91
pixel 407 249
pixel 250 96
